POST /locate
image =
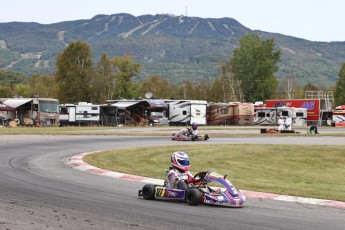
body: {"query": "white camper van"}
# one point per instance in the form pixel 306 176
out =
pixel 82 113
pixel 185 112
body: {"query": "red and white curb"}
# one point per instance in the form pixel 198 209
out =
pixel 77 162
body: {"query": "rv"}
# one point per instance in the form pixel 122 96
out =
pixel 243 114
pixel 338 116
pixel 265 116
pixel 134 112
pixel 185 112
pixel 82 113
pixel 269 116
pixel 32 111
pixel 220 114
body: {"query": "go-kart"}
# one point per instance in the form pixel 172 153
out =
pixel 198 192
pixel 186 135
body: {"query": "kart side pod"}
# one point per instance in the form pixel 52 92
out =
pixel 150 192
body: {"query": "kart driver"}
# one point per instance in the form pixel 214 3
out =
pixel 179 171
pixel 194 129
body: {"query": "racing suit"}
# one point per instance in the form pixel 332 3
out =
pixel 175 175
pixel 192 132
pixel 281 124
pixel 288 123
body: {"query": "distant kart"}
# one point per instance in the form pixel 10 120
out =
pixel 224 195
pixel 185 134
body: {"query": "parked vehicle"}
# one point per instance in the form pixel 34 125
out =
pixel 318 109
pixel 142 112
pixel 269 115
pixel 224 194
pixel 32 111
pixel 186 112
pixel 82 113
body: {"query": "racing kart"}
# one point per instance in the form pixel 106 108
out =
pixel 199 192
pixel 186 135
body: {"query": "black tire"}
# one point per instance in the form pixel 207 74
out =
pixel 182 185
pixel 193 196
pixel 206 137
pixel 194 138
pixel 148 192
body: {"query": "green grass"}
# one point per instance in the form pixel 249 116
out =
pixel 306 171
pixel 147 131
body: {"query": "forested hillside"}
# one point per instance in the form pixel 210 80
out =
pixel 175 47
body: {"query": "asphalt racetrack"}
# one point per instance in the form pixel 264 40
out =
pixel 39 191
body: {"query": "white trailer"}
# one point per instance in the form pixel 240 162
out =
pixel 185 112
pixel 82 113
pixel 298 115
pixel 269 116
pixel 265 116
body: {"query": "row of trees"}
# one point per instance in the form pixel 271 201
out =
pixel 248 76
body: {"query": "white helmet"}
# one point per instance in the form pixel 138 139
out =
pixel 180 160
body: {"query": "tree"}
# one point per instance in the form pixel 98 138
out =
pixel 103 82
pixel 217 91
pixel 187 90
pixel 158 86
pixel 124 69
pixel 43 86
pixel 254 64
pixel 202 89
pixel 5 91
pixel 74 73
pixel 231 86
pixel 23 90
pixel 339 94
pixel 289 88
pixel 310 87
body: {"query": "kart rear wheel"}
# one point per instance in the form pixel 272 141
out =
pixel 193 196
pixel 148 192
pixel 206 137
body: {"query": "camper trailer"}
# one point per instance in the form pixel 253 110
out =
pixel 269 116
pixel 185 112
pixel 220 114
pixel 243 114
pixel 149 112
pixel 338 116
pixel 265 116
pixel 32 111
pixel 82 114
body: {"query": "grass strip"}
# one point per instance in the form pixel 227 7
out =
pixel 300 170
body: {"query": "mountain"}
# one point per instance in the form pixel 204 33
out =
pixel 175 47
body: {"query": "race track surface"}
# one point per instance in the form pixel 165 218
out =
pixel 39 191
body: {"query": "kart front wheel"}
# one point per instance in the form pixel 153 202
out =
pixel 148 192
pixel 193 196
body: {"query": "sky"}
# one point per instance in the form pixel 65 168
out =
pixel 314 20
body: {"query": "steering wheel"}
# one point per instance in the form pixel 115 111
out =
pixel 200 176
